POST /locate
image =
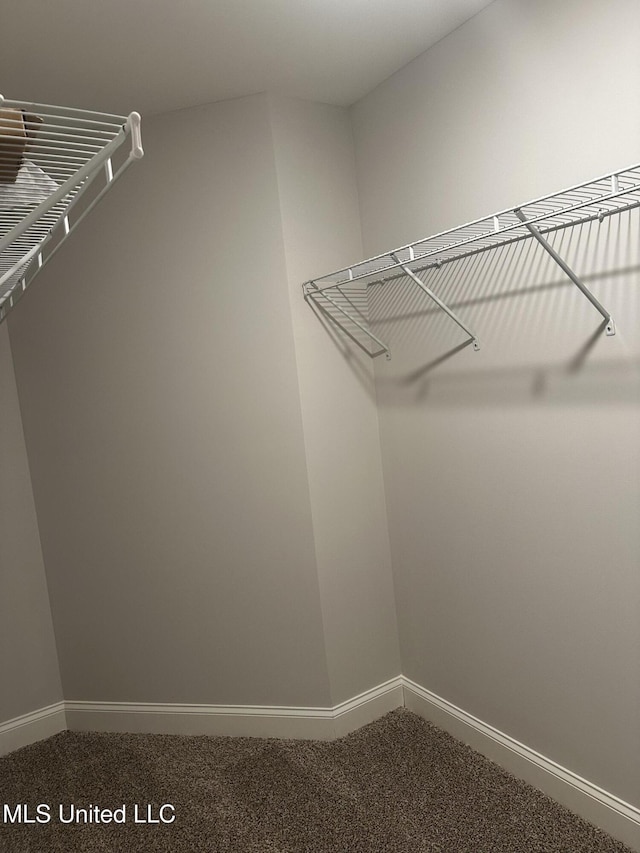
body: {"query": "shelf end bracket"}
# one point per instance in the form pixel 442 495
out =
pixel 312 293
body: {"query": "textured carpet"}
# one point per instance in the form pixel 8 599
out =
pixel 398 785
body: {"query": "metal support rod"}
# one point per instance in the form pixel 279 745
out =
pixel 611 327
pixel 439 302
pixel 21 262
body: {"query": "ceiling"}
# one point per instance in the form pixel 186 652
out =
pixel 160 55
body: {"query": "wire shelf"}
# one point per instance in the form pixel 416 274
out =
pixel 611 194
pixel 50 180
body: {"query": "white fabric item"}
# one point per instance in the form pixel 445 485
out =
pixel 31 186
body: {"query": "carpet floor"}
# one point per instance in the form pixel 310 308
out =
pixel 398 785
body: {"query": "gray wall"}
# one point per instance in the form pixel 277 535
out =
pixel 512 474
pixel 160 400
pixel 29 672
pixel 321 226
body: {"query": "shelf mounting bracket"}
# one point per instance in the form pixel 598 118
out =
pixel 611 326
pixel 439 302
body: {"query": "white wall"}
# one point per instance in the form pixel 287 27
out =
pixel 512 474
pixel 529 96
pixel 321 226
pixel 29 672
pixel 159 392
pixel 204 458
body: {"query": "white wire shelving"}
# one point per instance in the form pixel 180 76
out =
pixel 67 163
pixel 341 296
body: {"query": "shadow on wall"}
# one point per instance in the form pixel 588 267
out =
pixel 356 359
pixel 541 340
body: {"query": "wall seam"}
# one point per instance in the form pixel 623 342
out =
pixel 35 510
pixel 269 107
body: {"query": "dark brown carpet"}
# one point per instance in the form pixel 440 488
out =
pixel 399 785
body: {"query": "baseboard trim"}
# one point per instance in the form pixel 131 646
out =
pixel 237 721
pixel 367 707
pixel 29 728
pixel 599 807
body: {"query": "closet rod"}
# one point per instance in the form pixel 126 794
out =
pixel 440 262
pixel 557 206
pixel 34 106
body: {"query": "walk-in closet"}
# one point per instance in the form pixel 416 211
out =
pixel 320 426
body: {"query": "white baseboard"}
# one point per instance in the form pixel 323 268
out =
pixel 241 721
pixel 606 811
pixel 616 817
pixel 29 728
pixel 215 720
pixel 367 707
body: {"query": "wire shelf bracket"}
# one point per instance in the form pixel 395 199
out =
pixel 597 199
pixel 56 164
pixel 439 302
pixel 610 328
